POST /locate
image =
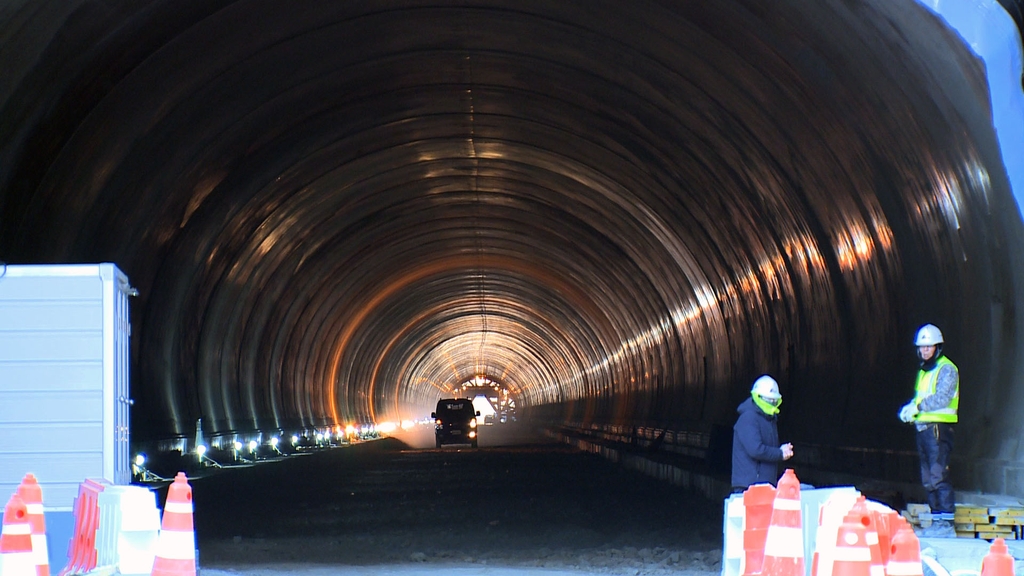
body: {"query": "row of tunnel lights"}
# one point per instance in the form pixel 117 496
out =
pixel 321 436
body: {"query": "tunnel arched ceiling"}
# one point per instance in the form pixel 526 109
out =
pixel 336 212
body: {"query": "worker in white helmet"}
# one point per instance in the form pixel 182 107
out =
pixel 933 411
pixel 756 451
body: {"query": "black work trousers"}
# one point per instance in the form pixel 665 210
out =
pixel 934 446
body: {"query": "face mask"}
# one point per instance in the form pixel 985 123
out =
pixel 769 407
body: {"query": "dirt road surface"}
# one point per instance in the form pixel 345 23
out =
pixel 519 504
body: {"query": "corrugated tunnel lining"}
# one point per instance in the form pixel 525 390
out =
pixel 624 213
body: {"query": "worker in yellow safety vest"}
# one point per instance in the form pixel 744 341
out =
pixel 933 411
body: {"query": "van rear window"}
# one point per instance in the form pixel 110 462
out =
pixel 454 407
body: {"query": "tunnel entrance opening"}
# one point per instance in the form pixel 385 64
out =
pixel 495 401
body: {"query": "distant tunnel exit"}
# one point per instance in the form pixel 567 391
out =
pixel 496 403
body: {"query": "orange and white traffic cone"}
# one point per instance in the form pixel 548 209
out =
pixel 852 555
pixel 905 553
pixel 176 546
pixel 32 494
pixel 784 547
pixel 998 561
pixel 870 535
pixel 830 517
pixel 16 540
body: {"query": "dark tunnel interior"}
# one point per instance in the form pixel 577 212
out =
pixel 337 213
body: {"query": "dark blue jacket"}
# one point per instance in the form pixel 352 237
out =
pixel 755 447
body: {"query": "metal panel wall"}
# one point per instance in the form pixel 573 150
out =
pixel 63 377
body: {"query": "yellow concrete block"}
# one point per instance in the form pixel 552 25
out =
pixel 915 509
pixel 972 519
pixel 993 529
pixel 1010 511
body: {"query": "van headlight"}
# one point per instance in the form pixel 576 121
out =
pixel 472 423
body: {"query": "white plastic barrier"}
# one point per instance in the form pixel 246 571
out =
pixel 732 538
pixel 129 529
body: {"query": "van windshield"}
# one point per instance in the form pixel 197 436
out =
pixel 455 410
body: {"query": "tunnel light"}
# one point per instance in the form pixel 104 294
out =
pixel 140 459
pixel 274 441
pixel 319 437
pixel 238 445
pixel 295 439
pixel 201 450
pixel 387 427
pixel 407 424
pixel 350 429
pixel 253 445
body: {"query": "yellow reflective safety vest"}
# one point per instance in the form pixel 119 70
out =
pixel 926 382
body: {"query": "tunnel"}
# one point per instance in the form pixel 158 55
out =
pixel 625 212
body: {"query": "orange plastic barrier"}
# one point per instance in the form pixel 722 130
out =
pixel 757 503
pixel 758 500
pixel 16 540
pixel 82 548
pixel 176 547
pixel 32 494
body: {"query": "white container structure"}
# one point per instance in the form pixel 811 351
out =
pixel 64 398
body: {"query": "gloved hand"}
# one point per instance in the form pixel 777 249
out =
pixel 908 412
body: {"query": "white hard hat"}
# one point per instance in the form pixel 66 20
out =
pixel 766 387
pixel 928 335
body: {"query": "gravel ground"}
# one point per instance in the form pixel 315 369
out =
pixel 518 505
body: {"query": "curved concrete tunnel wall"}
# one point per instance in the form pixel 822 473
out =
pixel 624 213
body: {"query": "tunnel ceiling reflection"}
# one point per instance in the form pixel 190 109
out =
pixel 621 211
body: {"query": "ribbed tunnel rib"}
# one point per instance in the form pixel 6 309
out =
pixel 624 212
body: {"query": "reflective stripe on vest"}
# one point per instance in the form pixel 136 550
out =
pixel 926 382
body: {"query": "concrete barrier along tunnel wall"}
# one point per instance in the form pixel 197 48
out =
pixel 623 212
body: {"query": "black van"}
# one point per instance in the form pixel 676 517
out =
pixel 455 422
